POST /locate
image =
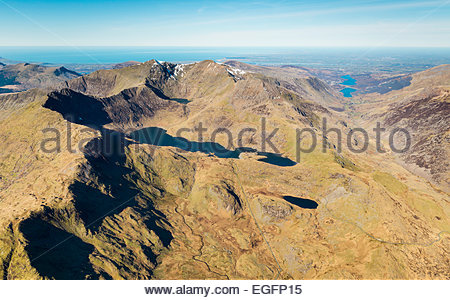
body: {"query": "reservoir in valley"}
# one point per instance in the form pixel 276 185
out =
pixel 348 81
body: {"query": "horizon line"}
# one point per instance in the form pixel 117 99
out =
pixel 192 46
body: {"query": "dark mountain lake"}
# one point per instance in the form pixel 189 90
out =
pixel 301 202
pixel 159 137
pixel 180 100
pixel 276 159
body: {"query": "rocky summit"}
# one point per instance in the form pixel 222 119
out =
pixel 208 171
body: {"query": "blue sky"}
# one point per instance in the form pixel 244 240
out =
pixel 226 23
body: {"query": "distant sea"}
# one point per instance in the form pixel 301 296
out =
pixel 349 60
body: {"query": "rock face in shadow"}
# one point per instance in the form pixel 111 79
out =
pixel 56 253
pixel 131 105
pixel 87 239
pixel 127 107
pixel 78 108
pixel 106 165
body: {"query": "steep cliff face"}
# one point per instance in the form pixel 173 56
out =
pixel 129 107
pixel 95 200
pixel 423 109
pixel 427 118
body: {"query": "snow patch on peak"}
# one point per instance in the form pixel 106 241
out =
pixel 235 71
pixel 179 70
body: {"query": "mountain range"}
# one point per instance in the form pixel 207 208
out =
pixel 24 76
pixel 97 183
